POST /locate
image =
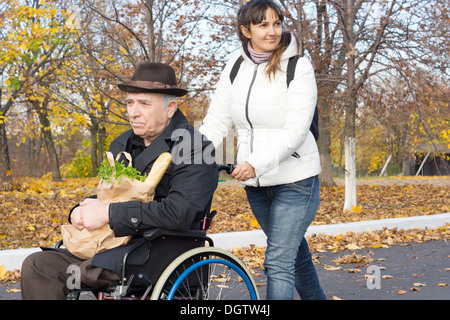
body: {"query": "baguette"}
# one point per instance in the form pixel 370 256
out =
pixel 159 167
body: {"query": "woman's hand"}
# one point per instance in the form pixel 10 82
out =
pixel 243 172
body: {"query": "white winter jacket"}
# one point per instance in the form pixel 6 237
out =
pixel 272 122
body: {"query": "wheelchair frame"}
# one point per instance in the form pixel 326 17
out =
pixel 186 275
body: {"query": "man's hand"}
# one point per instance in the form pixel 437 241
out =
pixel 75 218
pixel 243 172
pixel 90 215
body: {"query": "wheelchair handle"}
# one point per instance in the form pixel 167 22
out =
pixel 228 168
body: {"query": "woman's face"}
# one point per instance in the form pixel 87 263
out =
pixel 266 35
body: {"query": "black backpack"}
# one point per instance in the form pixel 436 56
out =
pixel 290 75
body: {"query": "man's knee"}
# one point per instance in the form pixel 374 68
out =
pixel 31 263
pixel 43 276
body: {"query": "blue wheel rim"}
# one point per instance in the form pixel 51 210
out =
pixel 209 261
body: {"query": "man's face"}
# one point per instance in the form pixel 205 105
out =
pixel 147 116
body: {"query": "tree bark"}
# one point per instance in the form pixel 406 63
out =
pixel 48 140
pixel 5 164
pixel 93 128
pixel 350 173
pixel 324 142
pixel 350 109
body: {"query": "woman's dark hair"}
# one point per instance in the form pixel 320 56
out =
pixel 254 12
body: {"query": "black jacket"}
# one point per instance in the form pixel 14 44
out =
pixel 183 195
pixel 185 191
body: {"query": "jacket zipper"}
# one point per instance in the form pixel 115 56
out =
pixel 246 107
pixel 247 115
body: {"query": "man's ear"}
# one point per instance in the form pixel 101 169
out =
pixel 171 108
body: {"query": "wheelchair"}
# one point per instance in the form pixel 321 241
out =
pixel 179 265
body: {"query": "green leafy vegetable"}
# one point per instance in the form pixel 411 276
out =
pixel 107 172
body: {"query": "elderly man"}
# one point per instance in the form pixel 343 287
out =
pixel 182 197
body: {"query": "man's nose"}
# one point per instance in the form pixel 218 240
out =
pixel 133 111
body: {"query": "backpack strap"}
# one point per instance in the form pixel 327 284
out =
pixel 235 69
pixel 291 69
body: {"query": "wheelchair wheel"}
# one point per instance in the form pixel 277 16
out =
pixel 206 273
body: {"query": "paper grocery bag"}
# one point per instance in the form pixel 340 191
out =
pixel 85 244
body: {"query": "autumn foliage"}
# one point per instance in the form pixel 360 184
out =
pixel 60 62
pixel 32 210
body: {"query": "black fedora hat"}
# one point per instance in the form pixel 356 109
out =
pixel 153 77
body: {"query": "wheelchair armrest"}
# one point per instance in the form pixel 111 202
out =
pixel 154 233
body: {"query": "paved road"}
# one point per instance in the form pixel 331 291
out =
pixel 415 271
pixel 401 267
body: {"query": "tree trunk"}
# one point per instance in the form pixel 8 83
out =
pixel 350 173
pixel 94 145
pixel 101 141
pixel 350 150
pixel 324 142
pixel 350 109
pixel 5 164
pixel 48 141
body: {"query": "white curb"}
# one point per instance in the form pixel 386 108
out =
pixel 12 259
pixel 257 237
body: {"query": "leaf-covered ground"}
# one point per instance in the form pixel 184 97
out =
pixel 32 211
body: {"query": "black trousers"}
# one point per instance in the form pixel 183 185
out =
pixel 45 275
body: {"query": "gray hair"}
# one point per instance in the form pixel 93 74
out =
pixel 166 99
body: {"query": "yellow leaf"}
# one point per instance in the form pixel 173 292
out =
pixel 358 208
pixel 31 228
pixel 2 271
pixel 254 222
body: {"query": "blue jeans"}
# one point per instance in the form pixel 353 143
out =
pixel 284 212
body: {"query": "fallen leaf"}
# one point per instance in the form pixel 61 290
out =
pixel 2 272
pixel 331 268
pixel 353 270
pixel 401 291
pixel 353 246
pixel 418 284
pixel 254 222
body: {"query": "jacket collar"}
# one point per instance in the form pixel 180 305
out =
pixel 162 143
